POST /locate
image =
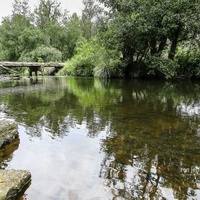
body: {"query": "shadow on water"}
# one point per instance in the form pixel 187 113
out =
pixel 137 139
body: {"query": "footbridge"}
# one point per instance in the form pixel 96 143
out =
pixel 33 66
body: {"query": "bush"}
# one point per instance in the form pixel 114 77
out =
pixel 160 66
pixel 189 61
pixel 92 59
pixel 81 63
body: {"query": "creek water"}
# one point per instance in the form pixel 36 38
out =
pixel 88 139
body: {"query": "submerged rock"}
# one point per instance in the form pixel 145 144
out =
pixel 13 182
pixel 8 132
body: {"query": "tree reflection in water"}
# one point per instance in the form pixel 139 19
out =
pixel 156 153
pixel 154 164
pixel 152 144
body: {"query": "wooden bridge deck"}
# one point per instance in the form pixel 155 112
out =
pixel 32 64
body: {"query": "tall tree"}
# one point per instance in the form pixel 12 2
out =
pixel 90 16
pixel 47 12
pixel 73 33
pixel 47 18
pixel 21 7
pixel 12 27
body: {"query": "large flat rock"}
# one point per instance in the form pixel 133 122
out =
pixel 13 182
pixel 8 131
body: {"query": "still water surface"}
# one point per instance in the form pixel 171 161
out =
pixel 86 139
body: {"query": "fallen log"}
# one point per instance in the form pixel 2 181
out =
pixel 8 69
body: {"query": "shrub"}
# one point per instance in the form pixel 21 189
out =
pixel 158 65
pixel 189 61
pixel 91 59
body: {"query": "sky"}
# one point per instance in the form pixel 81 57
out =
pixel 71 5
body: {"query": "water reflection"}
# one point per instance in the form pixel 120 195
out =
pixel 6 153
pixel 124 139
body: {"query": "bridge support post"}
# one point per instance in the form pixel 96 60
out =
pixel 36 69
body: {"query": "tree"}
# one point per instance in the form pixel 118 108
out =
pixel 146 29
pixel 21 8
pixel 43 54
pixel 90 15
pixel 47 12
pixel 51 21
pixel 11 29
pixel 72 34
pixel 92 59
pixel 47 54
pixel 29 40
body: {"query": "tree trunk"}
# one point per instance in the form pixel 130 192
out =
pixel 127 71
pixel 128 62
pixel 153 46
pixel 162 44
pixel 173 49
pixel 174 43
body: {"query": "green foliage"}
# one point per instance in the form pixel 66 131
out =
pixel 71 35
pixel 30 39
pixel 106 63
pixel 10 30
pixel 135 38
pixel 44 54
pixel 46 12
pixel 189 61
pixel 2 54
pixel 25 36
pixel 157 66
pixel 92 59
pixel 81 63
pixel 150 31
pixel 90 17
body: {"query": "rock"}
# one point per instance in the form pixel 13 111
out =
pixel 13 182
pixel 8 132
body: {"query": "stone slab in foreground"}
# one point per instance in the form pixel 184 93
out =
pixel 13 182
pixel 8 132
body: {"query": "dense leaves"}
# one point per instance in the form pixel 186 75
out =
pixel 148 29
pixel 48 33
pixel 126 38
pixel 92 59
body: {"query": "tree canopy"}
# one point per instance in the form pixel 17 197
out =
pixel 137 39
